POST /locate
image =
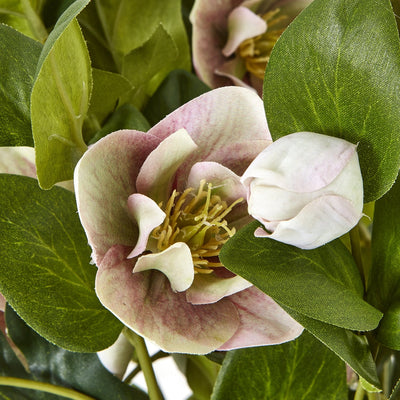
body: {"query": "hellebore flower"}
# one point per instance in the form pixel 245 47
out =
pixel 306 189
pixel 157 208
pixel 233 39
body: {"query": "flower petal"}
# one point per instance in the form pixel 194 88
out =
pixel 18 160
pixel 175 262
pixel 228 124
pixel 309 229
pixel 301 162
pixel 262 321
pixel 147 215
pixel 242 24
pixel 104 178
pixel 147 305
pixel 156 175
pixel 208 288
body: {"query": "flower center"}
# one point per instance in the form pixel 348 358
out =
pixel 256 51
pixel 198 220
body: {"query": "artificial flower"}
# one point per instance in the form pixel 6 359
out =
pixel 306 189
pixel 157 208
pixel 233 39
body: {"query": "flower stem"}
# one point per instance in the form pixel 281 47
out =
pixel 356 252
pixel 360 392
pixel 44 387
pixel 145 364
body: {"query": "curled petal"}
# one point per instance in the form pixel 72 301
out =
pixel 301 162
pixel 155 176
pixel 208 289
pixel 147 215
pixel 147 305
pixel 262 321
pixel 242 24
pixel 319 222
pixel 104 179
pixel 18 160
pixel 175 262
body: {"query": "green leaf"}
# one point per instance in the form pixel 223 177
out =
pixel 60 99
pixel 323 283
pixel 126 117
pixel 301 369
pixel 128 24
pixel 350 347
pixel 177 89
pixel 336 71
pixel 19 56
pixel 45 273
pixel 80 371
pixel 147 66
pixel 384 289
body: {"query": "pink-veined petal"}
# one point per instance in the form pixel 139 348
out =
pixel 228 125
pixel 18 161
pixel 319 222
pixel 147 305
pixel 301 162
pixel 262 321
pixel 175 262
pixel 104 178
pixel 147 215
pixel 2 303
pixel 156 175
pixel 208 288
pixel 242 24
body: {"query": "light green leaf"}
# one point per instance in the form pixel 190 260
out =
pixel 60 99
pixel 323 283
pixel 336 71
pixel 19 56
pixel 45 273
pixel 350 347
pixel 147 66
pixel 80 371
pixel 384 290
pixel 128 24
pixel 302 369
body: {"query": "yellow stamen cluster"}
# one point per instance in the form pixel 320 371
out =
pixel 198 220
pixel 257 50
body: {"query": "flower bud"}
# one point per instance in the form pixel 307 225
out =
pixel 306 189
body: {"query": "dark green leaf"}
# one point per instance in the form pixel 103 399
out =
pixel 350 347
pixel 80 371
pixel 301 369
pixel 323 283
pixel 126 117
pixel 336 71
pixel 45 273
pixel 177 89
pixel 60 99
pixel 384 289
pixel 19 56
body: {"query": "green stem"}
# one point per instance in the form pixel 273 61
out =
pixel 360 392
pixel 356 252
pixel 44 387
pixel 145 364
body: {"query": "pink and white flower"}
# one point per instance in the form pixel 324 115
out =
pixel 306 189
pixel 158 206
pixel 233 39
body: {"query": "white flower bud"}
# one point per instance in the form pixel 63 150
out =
pixel 306 189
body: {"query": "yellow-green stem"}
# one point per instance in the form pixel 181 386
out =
pixel 35 23
pixel 356 252
pixel 44 387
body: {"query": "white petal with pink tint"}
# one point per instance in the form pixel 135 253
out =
pixel 18 160
pixel 262 321
pixel 147 215
pixel 242 24
pixel 208 289
pixel 175 262
pixel 147 305
pixel 154 179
